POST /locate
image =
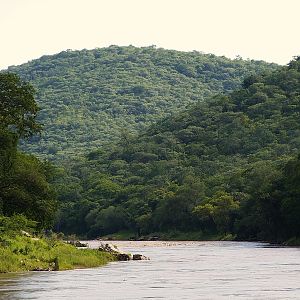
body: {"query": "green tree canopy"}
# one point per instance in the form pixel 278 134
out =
pixel 18 109
pixel 237 143
pixel 23 178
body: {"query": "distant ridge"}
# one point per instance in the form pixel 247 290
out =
pixel 89 97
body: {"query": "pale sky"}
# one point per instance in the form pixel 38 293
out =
pixel 255 29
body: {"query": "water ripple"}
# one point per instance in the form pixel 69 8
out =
pixel 177 270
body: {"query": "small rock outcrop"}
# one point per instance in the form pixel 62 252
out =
pixel 109 248
pixel 123 256
pixel 25 233
pixel 139 257
pixel 77 244
pixel 39 269
pixel 120 255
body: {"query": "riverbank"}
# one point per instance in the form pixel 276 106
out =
pixel 189 236
pixel 174 235
pixel 22 253
pixel 177 270
pixel 292 242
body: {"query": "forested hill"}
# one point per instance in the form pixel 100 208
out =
pixel 226 165
pixel 89 97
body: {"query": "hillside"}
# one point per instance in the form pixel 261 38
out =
pixel 226 165
pixel 92 97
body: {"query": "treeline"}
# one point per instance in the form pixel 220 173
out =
pixel 225 167
pixel 24 187
pixel 228 165
pixel 27 201
pixel 88 97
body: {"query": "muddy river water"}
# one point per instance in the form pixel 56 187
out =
pixel 177 270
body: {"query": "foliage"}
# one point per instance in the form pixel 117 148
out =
pixel 29 254
pixel 13 225
pixel 26 191
pixel 23 178
pixel 18 109
pixel 89 98
pixel 223 166
pixel 220 208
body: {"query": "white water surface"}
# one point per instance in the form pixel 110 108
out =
pixel 177 270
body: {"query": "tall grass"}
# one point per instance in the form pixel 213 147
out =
pixel 21 253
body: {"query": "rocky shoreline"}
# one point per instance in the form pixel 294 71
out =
pixel 120 255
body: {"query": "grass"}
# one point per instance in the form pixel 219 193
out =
pixel 22 253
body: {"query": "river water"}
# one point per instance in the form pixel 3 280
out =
pixel 177 270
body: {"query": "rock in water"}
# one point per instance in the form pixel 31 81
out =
pixel 140 257
pixel 109 248
pixel 77 244
pixel 121 256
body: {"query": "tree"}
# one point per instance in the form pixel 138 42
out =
pixel 18 109
pixel 23 178
pixel 220 208
pixel 290 197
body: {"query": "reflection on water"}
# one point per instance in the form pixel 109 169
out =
pixel 183 270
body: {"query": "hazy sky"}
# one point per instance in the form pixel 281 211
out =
pixel 256 29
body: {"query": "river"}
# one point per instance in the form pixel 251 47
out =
pixel 177 270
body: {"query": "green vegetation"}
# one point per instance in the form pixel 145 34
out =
pixel 24 253
pixel 27 202
pixel 89 98
pixel 226 166
pixel 23 178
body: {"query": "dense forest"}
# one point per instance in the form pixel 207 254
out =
pixel 228 165
pixel 90 97
pixel 24 187
pixel 27 200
